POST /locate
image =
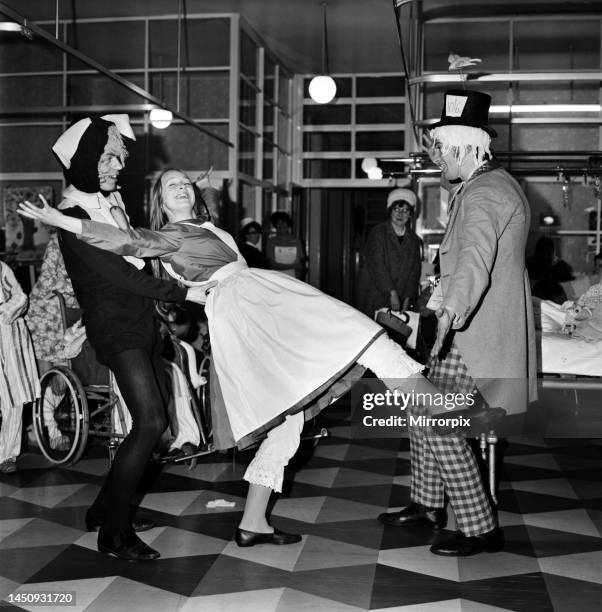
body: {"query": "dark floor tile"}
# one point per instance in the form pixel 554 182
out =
pixel 521 593
pixel 378 495
pixel 367 533
pixel 507 501
pixel 19 564
pixel 180 575
pixel 516 541
pixel 530 503
pixel 569 595
pixel 394 587
pixel 349 585
pixel 515 448
pixel 549 542
pixel 515 472
pixel 592 504
pixel 403 467
pixel 232 575
pixel 400 496
pixel 377 466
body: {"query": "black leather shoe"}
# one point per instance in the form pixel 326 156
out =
pixel 416 514
pixel 459 545
pixel 250 538
pixel 129 548
pixel 138 523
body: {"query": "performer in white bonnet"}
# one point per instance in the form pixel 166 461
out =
pixel 117 299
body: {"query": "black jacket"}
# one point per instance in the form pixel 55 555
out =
pixel 117 299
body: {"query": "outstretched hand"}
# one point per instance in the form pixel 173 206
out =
pixel 40 211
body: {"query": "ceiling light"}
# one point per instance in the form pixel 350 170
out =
pixel 368 162
pixel 10 26
pixel 160 118
pixel 322 88
pixel 546 108
pixel 375 174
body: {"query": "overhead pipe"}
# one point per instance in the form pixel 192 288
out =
pixel 7 10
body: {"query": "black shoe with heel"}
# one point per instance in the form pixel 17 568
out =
pixel 250 538
pixel 128 547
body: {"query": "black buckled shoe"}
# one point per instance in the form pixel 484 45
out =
pixel 250 538
pixel 139 523
pixel 415 514
pixel 129 547
pixel 459 545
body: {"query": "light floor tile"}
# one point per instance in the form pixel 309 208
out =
pixel 331 451
pixel 203 471
pixel 38 532
pixel 132 596
pixel 199 505
pixel 320 553
pixel 293 600
pixel 264 600
pixel 9 526
pixel 174 543
pixel 49 496
pixel 174 502
pixel 572 521
pixel 320 477
pixel 582 566
pixel 359 478
pixel 85 592
pixel 335 509
pixel 304 509
pixel 282 557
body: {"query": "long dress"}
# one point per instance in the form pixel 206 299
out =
pixel 278 344
pixel 18 374
pixel 44 318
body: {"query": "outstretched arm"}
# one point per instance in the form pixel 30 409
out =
pixel 139 242
pixel 50 216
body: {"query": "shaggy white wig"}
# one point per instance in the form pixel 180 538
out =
pixel 458 138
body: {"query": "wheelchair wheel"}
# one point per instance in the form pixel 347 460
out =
pixel 61 418
pixel 204 396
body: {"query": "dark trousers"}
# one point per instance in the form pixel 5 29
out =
pixel 140 375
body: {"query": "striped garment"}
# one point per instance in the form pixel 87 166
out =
pixel 18 373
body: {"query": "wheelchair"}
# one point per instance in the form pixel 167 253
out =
pixel 80 400
pixel 77 400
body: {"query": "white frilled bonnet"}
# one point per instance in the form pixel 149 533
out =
pixel 67 143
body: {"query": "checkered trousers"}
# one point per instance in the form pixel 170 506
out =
pixel 446 464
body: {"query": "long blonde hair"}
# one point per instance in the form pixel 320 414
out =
pixel 157 216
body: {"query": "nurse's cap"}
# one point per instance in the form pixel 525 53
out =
pixel 67 143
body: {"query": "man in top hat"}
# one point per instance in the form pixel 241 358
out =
pixel 117 299
pixel 391 258
pixel 485 338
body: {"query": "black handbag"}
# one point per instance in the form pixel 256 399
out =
pixel 396 324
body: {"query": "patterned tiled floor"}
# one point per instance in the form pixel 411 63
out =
pixel 550 505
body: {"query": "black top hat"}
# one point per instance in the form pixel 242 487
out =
pixel 463 107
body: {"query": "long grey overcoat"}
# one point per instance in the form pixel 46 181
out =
pixel 483 277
